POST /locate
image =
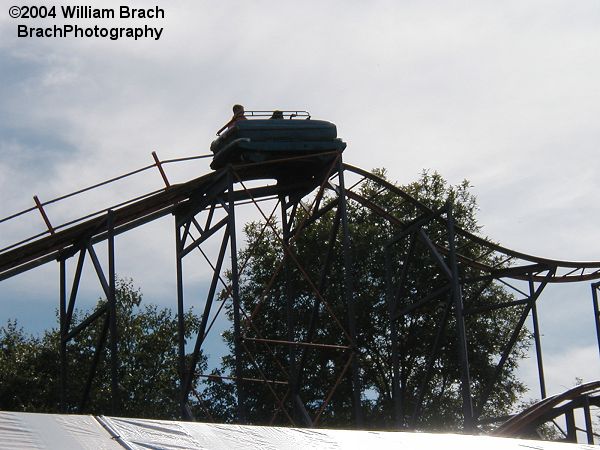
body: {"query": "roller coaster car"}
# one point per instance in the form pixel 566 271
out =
pixel 292 143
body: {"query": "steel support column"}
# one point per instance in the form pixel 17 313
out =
pixel 349 297
pixel 180 317
pixel 235 294
pixel 589 427
pixel 289 306
pixel 595 287
pixel 112 307
pixel 571 426
pixel 62 338
pixel 391 304
pixel 467 399
pixel 538 343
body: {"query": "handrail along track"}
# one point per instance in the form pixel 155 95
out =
pixel 216 189
pixel 43 247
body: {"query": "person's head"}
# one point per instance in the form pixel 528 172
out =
pixel 277 114
pixel 238 110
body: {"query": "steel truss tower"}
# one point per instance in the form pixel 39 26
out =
pixel 318 293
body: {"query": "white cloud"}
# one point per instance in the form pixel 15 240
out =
pixel 563 369
pixel 502 93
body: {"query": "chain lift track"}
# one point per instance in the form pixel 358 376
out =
pixel 204 210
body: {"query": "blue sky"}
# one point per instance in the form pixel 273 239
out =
pixel 504 94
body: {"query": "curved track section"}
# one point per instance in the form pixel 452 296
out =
pixel 514 264
pixel 46 246
pixel 420 272
pixel 545 412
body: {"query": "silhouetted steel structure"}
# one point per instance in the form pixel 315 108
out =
pixel 580 397
pixel 595 288
pixel 205 212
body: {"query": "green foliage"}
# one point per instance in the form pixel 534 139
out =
pixel 147 353
pixel 370 233
pixel 27 370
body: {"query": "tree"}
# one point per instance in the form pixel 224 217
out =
pixel 267 266
pixel 148 378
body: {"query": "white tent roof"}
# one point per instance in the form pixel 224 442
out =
pixel 46 431
pixel 66 432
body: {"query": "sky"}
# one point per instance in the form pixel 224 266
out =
pixel 504 94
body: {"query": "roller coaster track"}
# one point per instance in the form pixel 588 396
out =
pixel 582 397
pixel 522 263
pixel 460 265
pixel 47 245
